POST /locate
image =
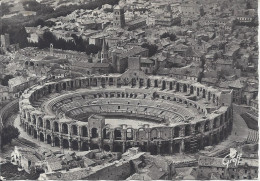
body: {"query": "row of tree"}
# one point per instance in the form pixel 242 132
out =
pixel 77 44
pixel 152 49
pixel 170 35
pixel 8 134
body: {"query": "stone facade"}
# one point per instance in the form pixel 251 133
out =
pixel 67 132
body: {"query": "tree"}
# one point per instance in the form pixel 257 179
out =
pixel 248 5
pixel 92 49
pixel 6 79
pixel 152 49
pixel 8 134
pixel 171 35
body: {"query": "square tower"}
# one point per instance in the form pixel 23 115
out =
pixel 119 17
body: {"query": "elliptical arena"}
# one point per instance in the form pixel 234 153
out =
pixel 161 115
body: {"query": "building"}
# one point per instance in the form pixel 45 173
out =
pixel 191 9
pixel 246 169
pixel 25 158
pixel 4 93
pixel 134 93
pixel 5 40
pixel 237 87
pixel 18 84
pixel 135 24
pixel 118 17
pixel 104 52
pixel 120 56
pixel 167 18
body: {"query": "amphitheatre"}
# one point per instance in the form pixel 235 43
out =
pixel 114 112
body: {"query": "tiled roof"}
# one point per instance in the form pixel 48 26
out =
pixel 101 65
pixel 236 84
pixel 55 166
pixel 88 161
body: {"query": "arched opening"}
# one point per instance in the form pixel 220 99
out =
pixel 48 139
pixel 35 134
pixel 84 131
pixel 176 132
pixel 28 117
pixel 209 96
pixel 94 133
pixel 106 133
pixel 155 83
pixel 65 143
pixel 148 83
pixel 206 126
pixel 71 84
pixel 41 137
pixel 24 114
pixel 141 134
pixel 94 147
pixel 106 148
pixel 197 128
pixel 30 130
pixel 215 123
pixel 165 148
pixel 103 82
pixel 163 85
pixel 177 87
pixel 119 83
pixel 203 93
pixel 176 148
pixel 215 139
pixel 221 136
pixel 75 145
pixel 57 88
pixel 48 124
pixel 74 130
pixel 187 130
pixel 94 82
pixel 153 149
pixel 198 91
pixel 34 119
pixel 117 134
pixel 49 89
pixel 187 147
pixel 129 134
pixel 56 127
pixel 111 81
pixel 118 147
pixel 40 122
pixel 206 141
pixel 154 134
pixel 133 82
pixel 64 85
pixel 64 128
pixel 191 90
pixel 221 119
pixel 128 145
pixel 85 146
pixel 141 82
pixel 170 85
pixel 56 141
pixel 184 88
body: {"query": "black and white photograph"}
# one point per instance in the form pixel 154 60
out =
pixel 129 90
